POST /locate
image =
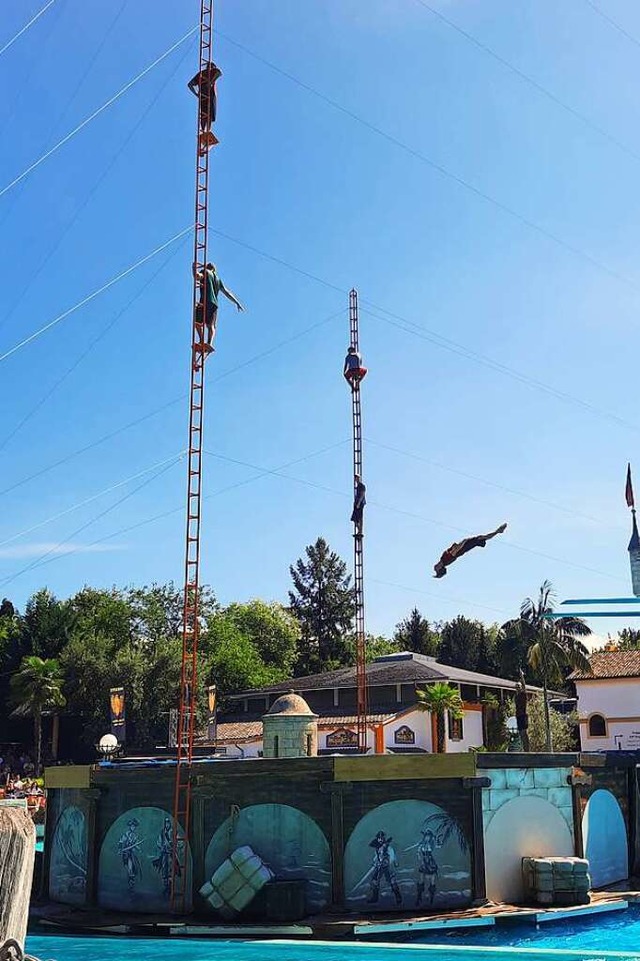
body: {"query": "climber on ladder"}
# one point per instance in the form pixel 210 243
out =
pixel 209 286
pixel 354 372
pixel 203 85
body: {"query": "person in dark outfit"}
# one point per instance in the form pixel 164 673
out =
pixel 359 502
pixel 463 547
pixel 384 867
pixel 203 85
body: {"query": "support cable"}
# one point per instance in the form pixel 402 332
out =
pixel 24 29
pixel 96 113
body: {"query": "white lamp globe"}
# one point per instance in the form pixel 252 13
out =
pixel 108 744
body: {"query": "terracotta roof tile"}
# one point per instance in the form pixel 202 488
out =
pixel 610 664
pixel 232 732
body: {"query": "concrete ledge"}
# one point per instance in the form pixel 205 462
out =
pixel 580 911
pixel 384 927
pixel 240 930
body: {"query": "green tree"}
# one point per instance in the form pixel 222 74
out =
pixel 553 646
pixel 37 689
pixel 415 634
pixel 323 602
pixel 467 644
pixel 157 612
pixel 441 699
pixel 271 628
pixel 564 734
pixel 233 661
pixel 46 624
pixel 628 639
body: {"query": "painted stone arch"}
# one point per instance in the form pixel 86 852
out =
pixel 407 854
pixel 605 839
pixel 134 872
pixel 523 827
pixel 287 840
pixel 68 866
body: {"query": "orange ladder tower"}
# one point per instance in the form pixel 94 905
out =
pixel 358 533
pixel 180 879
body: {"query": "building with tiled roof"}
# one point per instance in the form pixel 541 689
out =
pixel 609 701
pixel 396 723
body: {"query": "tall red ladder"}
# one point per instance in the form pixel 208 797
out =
pixel 180 880
pixel 358 537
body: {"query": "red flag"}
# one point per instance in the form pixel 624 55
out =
pixel 628 492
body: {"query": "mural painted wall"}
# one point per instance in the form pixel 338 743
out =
pixel 135 862
pixel 289 842
pixel 605 839
pixel 407 854
pixel 68 868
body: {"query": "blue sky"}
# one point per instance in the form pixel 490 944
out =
pixel 481 210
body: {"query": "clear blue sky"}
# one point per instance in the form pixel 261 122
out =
pixel 311 186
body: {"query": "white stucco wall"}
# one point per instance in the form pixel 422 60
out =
pixel 420 724
pixel 472 734
pixel 618 700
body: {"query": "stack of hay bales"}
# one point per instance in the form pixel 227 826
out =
pixel 556 881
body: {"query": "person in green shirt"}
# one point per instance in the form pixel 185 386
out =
pixel 210 285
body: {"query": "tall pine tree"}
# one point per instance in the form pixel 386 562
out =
pixel 414 634
pixel 324 604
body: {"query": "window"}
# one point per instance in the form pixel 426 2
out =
pixel 597 726
pixel 309 745
pixel 276 745
pixel 455 727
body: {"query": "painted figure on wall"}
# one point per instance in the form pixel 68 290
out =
pixel 421 857
pixel 427 867
pixel 68 871
pixel 128 847
pixel 134 871
pixel 384 868
pixel 162 861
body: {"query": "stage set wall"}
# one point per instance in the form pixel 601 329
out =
pixel 455 826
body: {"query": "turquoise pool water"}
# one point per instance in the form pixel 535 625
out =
pixel 128 949
pixel 619 931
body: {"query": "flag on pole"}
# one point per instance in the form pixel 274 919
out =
pixel 628 492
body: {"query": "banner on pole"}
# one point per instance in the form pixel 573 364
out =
pixel 118 716
pixel 212 695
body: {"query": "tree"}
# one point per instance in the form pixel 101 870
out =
pixel 46 624
pixel 36 689
pixel 271 628
pixel 233 660
pixel 563 726
pixel 628 639
pixel 415 634
pixel 324 604
pixel 467 644
pixel 553 646
pixel 441 699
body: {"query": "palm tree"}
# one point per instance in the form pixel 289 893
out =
pixel 439 699
pixel 36 689
pixel 553 645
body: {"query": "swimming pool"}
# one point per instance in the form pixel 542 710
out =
pixel 614 932
pixel 132 949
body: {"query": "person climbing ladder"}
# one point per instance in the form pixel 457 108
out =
pixel 209 286
pixel 203 85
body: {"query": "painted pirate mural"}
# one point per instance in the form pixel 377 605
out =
pixel 427 867
pixel 128 847
pixel 162 861
pixel 384 868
